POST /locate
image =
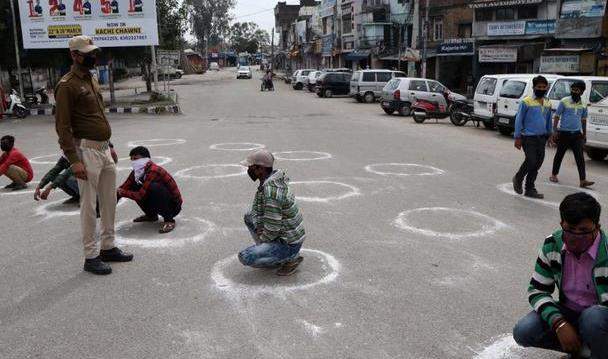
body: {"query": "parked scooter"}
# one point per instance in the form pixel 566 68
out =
pixel 32 99
pixel 15 107
pixel 423 109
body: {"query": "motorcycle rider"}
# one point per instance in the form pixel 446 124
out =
pixel 267 81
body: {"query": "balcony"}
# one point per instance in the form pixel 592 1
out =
pixel 373 6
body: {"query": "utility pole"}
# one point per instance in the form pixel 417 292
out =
pixel 272 50
pixel 425 36
pixel 399 44
pixel 17 57
pixel 154 68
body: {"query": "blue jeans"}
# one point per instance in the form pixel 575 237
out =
pixel 70 186
pixel 266 254
pixel 592 326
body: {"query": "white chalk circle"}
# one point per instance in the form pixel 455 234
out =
pixel 487 225
pixel 159 160
pixel 237 146
pixel 42 160
pixel 508 189
pixel 502 347
pixel 173 239
pixel 345 191
pixel 216 171
pixel 403 169
pixel 318 268
pixel 5 192
pixel 59 209
pixel 156 142
pixel 301 155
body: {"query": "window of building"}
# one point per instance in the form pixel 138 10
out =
pixel 437 29
pixel 347 24
pixel 527 12
pixel 484 15
pixel 465 30
pixel 506 13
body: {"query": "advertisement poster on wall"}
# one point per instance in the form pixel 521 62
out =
pixel 47 24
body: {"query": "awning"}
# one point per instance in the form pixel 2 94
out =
pixel 357 55
pixel 568 50
pixel 409 55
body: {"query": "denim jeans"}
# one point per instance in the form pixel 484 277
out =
pixel 591 324
pixel 158 201
pixel 534 150
pixel 70 186
pixel 266 254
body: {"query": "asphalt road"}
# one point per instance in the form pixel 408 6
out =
pixel 431 264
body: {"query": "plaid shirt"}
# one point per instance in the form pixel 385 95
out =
pixel 153 173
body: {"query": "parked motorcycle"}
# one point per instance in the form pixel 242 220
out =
pixel 461 111
pixel 32 99
pixel 15 107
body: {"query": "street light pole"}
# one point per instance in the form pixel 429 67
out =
pixel 425 35
pixel 17 57
pixel 272 50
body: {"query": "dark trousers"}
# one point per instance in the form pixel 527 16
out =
pixel 70 186
pixel 158 201
pixel 534 150
pixel 574 141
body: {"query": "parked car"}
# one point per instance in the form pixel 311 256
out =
pixel 340 69
pixel 312 80
pixel 400 93
pixel 298 78
pixel 512 93
pixel 367 85
pixel 596 89
pixel 214 66
pixel 168 71
pixel 597 131
pixel 244 72
pixel 333 83
pixel 486 98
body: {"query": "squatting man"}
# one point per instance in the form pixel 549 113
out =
pixel 275 221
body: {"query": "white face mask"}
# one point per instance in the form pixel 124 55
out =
pixel 139 167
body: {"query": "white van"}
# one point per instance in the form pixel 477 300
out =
pixel 513 91
pixel 596 89
pixel 597 130
pixel 367 85
pixel 486 96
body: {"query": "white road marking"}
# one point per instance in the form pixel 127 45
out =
pixel 312 329
pixel 508 189
pixel 156 142
pixel 159 160
pixel 204 228
pixel 72 209
pixel 185 173
pixel 491 226
pixel 352 191
pixel 4 192
pixel 503 347
pixel 237 146
pixel 301 155
pixel 234 289
pixel 39 159
pixel 404 169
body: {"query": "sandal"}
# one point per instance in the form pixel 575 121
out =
pixel 145 218
pixel 166 227
pixel 290 267
pixel 553 179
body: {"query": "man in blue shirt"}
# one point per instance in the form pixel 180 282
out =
pixel 532 129
pixel 571 115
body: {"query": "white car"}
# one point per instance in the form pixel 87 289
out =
pixel 511 95
pixel 298 79
pixel 400 93
pixel 597 131
pixel 214 66
pixel 244 72
pixel 486 97
pixel 312 80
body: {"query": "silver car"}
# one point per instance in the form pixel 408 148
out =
pixel 367 85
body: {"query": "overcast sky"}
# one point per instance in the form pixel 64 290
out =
pixel 258 11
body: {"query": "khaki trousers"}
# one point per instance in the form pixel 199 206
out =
pixel 100 184
pixel 16 174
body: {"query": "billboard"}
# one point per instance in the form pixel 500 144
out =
pixel 47 24
pixel 583 8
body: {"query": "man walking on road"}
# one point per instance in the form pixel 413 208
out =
pixel 275 222
pixel 532 129
pixel 84 135
pixel 571 115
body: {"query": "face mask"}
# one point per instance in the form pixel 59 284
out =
pixel 251 174
pixel 89 62
pixel 540 93
pixel 575 96
pixel 578 243
pixel 139 167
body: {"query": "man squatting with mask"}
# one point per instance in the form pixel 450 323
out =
pixel 84 136
pixel 275 222
pixel 154 190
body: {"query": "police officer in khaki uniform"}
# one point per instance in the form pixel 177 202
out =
pixel 84 135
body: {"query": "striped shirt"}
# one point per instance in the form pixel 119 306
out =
pixel 275 211
pixel 548 274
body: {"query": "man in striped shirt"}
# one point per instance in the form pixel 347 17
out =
pixel 275 222
pixel 575 259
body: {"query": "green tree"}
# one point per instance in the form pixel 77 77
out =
pixel 210 20
pixel 248 37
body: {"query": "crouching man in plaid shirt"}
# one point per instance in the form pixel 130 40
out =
pixel 154 190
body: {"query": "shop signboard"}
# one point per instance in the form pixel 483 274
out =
pixel 47 24
pixel 327 8
pixel 561 64
pixel 509 28
pixel 480 4
pixel 301 31
pixel 540 27
pixel 327 45
pixel 497 54
pixel 581 19
pixel 456 47
pixel 582 8
pixel 171 57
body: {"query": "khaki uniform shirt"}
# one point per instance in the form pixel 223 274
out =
pixel 79 112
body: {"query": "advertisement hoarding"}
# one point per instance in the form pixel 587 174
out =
pixel 464 46
pixel 47 24
pixel 507 28
pixel 497 54
pixel 583 8
pixel 561 64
